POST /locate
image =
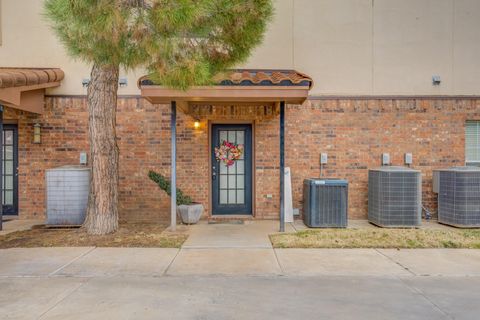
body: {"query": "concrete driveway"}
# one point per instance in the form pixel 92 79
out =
pixel 238 283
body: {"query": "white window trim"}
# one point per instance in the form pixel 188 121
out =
pixel 476 144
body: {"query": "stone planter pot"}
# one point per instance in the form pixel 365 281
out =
pixel 191 213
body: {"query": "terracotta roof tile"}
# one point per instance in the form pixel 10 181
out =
pixel 253 77
pixel 265 78
pixel 18 77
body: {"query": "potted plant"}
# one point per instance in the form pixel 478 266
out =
pixel 189 211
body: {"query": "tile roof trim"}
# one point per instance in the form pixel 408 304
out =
pixel 254 77
pixel 20 77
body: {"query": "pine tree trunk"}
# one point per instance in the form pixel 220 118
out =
pixel 102 211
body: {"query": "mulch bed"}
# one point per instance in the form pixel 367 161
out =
pixel 147 235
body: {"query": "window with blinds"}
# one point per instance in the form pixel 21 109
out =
pixel 472 143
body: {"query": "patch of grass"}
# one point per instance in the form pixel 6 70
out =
pixel 129 235
pixel 378 238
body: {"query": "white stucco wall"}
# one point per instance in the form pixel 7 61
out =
pixel 349 47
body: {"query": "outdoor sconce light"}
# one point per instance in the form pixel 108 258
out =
pixel 37 133
pixel 436 80
pixel 196 124
pixel 123 82
pixel 85 82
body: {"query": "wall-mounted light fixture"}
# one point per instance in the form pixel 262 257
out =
pixel 37 133
pixel 436 80
pixel 196 124
pixel 85 82
pixel 123 82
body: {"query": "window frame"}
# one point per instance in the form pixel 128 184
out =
pixel 476 144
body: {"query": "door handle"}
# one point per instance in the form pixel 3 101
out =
pixel 214 173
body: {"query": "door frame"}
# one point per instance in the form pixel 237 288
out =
pixel 210 185
pixel 14 126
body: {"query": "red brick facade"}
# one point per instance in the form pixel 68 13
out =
pixel 354 133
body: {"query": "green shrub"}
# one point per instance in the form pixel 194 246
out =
pixel 164 184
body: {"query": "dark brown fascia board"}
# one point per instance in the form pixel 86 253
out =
pixel 226 94
pixel 315 97
pixel 26 98
pixel 393 97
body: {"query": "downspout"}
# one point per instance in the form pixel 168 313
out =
pixel 173 169
pixel 282 166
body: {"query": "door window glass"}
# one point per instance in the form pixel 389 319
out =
pixel 232 186
pixel 8 166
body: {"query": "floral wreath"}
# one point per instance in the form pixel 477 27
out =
pixel 228 152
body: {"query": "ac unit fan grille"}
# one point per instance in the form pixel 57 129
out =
pixel 394 198
pixel 459 198
pixel 325 205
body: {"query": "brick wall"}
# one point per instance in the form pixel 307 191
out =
pixel 64 135
pixel 353 132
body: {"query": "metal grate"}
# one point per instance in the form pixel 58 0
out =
pixel 459 197
pixel 325 203
pixel 67 195
pixel 394 197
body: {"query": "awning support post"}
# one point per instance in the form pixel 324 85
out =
pixel 282 166
pixel 173 170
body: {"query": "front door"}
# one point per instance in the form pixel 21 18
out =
pixel 10 165
pixel 232 184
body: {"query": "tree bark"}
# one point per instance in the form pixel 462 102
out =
pixel 102 210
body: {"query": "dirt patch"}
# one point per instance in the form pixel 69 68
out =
pixel 378 238
pixel 129 235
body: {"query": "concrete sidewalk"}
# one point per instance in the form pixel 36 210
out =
pixel 232 272
pixel 156 262
pixel 236 250
pixel 250 234
pixel 223 298
pixel 14 225
pixel 238 283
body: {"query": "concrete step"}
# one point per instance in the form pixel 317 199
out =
pixel 230 219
